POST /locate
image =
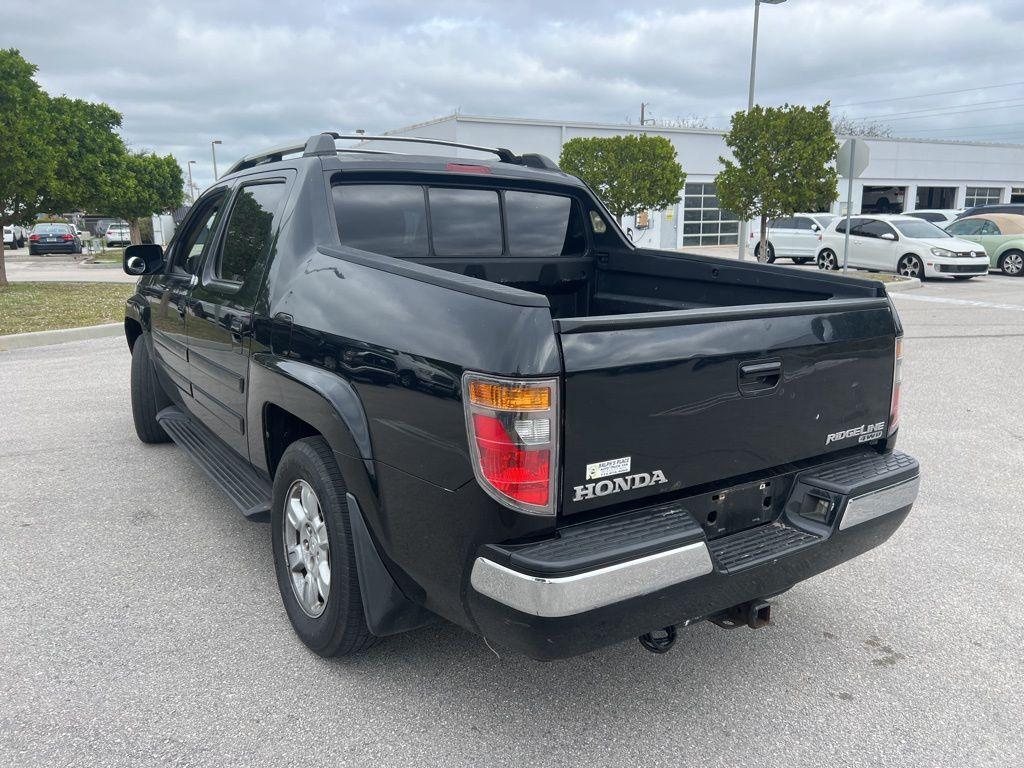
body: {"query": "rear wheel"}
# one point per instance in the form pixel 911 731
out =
pixel 313 554
pixel 827 259
pixel 1012 263
pixel 910 265
pixel 769 254
pixel 148 398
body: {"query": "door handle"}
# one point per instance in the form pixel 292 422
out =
pixel 755 378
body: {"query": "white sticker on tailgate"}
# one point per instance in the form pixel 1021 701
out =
pixel 608 468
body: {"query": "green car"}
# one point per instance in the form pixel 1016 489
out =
pixel 1000 234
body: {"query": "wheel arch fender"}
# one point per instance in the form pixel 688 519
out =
pixel 1012 245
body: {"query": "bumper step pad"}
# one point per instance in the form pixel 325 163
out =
pixel 244 485
pixel 758 545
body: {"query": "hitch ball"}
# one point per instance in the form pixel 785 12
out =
pixel 659 641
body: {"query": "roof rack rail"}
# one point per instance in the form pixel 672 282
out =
pixel 323 144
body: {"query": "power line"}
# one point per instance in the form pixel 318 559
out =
pixel 1017 123
pixel 925 95
pixel 935 109
pixel 944 114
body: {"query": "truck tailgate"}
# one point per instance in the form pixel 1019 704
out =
pixel 659 402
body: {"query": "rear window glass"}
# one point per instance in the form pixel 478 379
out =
pixel 389 219
pixel 52 229
pixel 543 225
pixel 465 222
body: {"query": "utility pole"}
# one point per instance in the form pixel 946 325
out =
pixel 644 120
pixel 213 151
pixel 750 100
pixel 191 188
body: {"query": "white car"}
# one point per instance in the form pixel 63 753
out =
pixel 790 237
pixel 117 234
pixel 14 237
pixel 938 216
pixel 901 244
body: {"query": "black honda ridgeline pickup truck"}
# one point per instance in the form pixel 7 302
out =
pixel 456 389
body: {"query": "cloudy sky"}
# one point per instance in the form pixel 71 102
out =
pixel 257 73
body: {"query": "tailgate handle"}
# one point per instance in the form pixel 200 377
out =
pixel 760 377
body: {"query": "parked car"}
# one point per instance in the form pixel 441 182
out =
pixel 14 236
pixel 50 237
pixel 790 237
pixel 513 418
pixel 901 244
pixel 938 216
pixel 1000 234
pixel 117 234
pixel 1017 208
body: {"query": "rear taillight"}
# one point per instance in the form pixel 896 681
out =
pixel 513 439
pixel 33 237
pixel 68 237
pixel 897 381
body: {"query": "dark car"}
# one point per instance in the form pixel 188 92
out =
pixel 457 390
pixel 1017 208
pixel 54 238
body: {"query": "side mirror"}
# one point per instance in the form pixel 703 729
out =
pixel 815 228
pixel 629 233
pixel 146 259
pixel 888 236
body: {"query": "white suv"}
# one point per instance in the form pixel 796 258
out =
pixel 901 244
pixel 790 237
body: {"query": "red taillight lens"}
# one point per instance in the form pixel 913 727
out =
pixel 515 471
pixel 68 237
pixel 466 168
pixel 897 384
pixel 33 237
pixel 513 437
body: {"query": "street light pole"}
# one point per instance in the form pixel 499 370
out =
pixel 191 189
pixel 750 100
pixel 213 151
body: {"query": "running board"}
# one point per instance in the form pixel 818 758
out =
pixel 249 490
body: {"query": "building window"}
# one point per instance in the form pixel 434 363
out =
pixel 704 223
pixel 983 196
pixel 1017 195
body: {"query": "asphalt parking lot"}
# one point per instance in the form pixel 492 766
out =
pixel 140 621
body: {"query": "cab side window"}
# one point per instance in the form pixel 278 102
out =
pixel 803 223
pixel 965 227
pixel 250 231
pixel 872 228
pixel 989 228
pixel 197 237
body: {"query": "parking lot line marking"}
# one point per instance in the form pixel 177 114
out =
pixel 961 302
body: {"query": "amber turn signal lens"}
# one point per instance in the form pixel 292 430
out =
pixel 509 397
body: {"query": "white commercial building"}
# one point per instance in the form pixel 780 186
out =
pixel 902 175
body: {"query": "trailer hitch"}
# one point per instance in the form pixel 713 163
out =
pixel 754 614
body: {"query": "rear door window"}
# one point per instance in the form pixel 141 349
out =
pixel 543 225
pixel 465 222
pixel 389 219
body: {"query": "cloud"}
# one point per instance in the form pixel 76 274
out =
pixel 258 73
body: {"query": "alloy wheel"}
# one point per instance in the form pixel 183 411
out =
pixel 827 260
pixel 307 549
pixel 909 266
pixel 1013 263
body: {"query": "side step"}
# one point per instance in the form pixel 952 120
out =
pixel 249 490
pixel 758 545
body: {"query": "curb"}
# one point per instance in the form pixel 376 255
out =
pixel 46 338
pixel 904 285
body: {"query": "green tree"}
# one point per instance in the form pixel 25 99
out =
pixel 88 153
pixel 629 173
pixel 27 160
pixel 143 184
pixel 782 162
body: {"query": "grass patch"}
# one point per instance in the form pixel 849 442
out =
pixel 28 307
pixel 109 256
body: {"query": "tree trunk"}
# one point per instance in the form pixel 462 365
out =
pixel 136 234
pixel 764 239
pixel 3 265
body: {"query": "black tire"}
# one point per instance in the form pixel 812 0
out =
pixel 770 253
pixel 910 265
pixel 148 398
pixel 827 259
pixel 341 628
pixel 1012 263
pixel 801 259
